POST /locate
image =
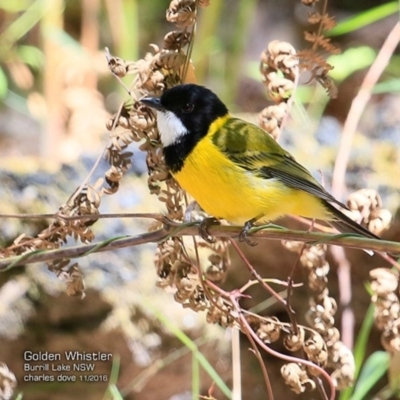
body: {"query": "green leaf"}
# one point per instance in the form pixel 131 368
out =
pixel 364 18
pixel 350 61
pixel 359 348
pixel 200 359
pixel 31 56
pixel 25 22
pixel 14 6
pixel 113 390
pixel 374 368
pixel 390 86
pixel 3 84
pixel 362 338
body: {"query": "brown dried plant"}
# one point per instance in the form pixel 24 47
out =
pixel 309 59
pixel 8 382
pixel 159 70
pixel 179 263
pixel 281 67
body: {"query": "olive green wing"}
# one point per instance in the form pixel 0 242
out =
pixel 254 150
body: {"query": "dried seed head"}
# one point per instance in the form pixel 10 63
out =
pixel 314 256
pixel 367 203
pixel 317 281
pixel 117 66
pixel 141 118
pixel 384 281
pixel 182 13
pixel 293 245
pixel 343 375
pixel 391 341
pixel 8 382
pixel 280 88
pixel 277 48
pixel 364 199
pixel 309 3
pixel 216 271
pixel 74 279
pixel 387 307
pixel 279 68
pixel 270 118
pixel 315 348
pixel 176 40
pixel 169 59
pixel 280 56
pixel 295 376
pixel 269 330
pixel 294 342
pixel 381 222
pixel 220 313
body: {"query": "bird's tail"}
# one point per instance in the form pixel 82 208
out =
pixel 346 225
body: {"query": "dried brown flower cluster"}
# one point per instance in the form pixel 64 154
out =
pixel 309 59
pixel 296 375
pixel 366 208
pixel 385 297
pixel 8 382
pixel 158 71
pixel 191 290
pixel 84 202
pixel 297 378
pixel 321 316
pixel 279 69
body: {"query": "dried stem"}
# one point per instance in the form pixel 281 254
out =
pixel 245 325
pixel 191 229
pixel 357 108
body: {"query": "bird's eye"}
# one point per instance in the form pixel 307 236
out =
pixel 187 108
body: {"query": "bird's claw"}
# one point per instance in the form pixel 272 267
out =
pixel 244 234
pixel 203 228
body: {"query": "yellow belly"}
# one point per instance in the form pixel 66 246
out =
pixel 223 190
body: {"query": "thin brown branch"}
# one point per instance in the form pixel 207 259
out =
pixel 156 216
pixel 256 274
pixel 245 326
pixel 261 232
pixel 357 107
pixel 260 360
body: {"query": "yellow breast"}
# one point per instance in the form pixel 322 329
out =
pixel 224 190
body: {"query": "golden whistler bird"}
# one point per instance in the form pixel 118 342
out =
pixel 234 169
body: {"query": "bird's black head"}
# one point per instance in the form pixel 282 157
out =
pixel 196 106
pixel 186 110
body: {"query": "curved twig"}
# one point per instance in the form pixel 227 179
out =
pixel 272 232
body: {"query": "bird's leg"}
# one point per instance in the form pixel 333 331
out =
pixel 203 228
pixel 245 231
pixel 204 224
pixel 188 212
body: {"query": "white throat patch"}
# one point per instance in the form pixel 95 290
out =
pixel 170 127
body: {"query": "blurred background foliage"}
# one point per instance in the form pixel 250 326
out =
pixel 56 94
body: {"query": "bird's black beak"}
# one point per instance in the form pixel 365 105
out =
pixel 153 102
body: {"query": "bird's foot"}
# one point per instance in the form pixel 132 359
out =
pixel 243 235
pixel 203 228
